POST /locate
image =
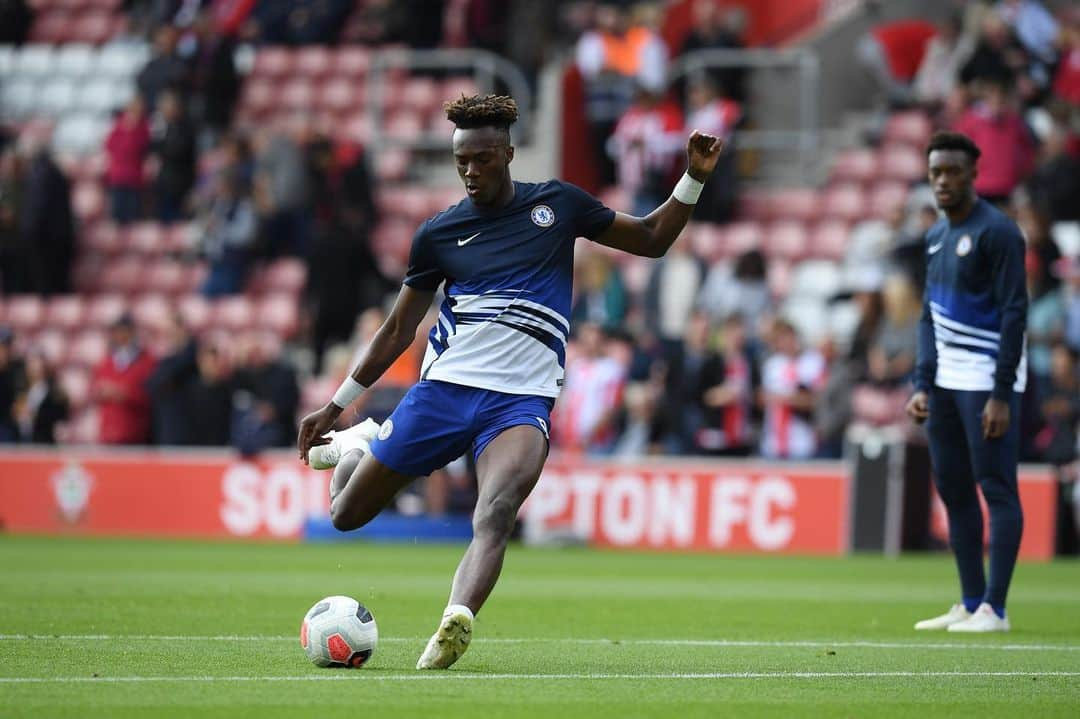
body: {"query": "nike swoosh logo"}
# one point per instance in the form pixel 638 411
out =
pixel 467 240
pixel 929 250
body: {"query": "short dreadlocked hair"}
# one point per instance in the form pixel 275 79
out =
pixel 954 141
pixel 468 112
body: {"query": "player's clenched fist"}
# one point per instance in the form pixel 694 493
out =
pixel 918 407
pixel 702 152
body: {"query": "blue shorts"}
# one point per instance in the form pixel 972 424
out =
pixel 435 423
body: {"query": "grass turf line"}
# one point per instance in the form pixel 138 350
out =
pixel 747 636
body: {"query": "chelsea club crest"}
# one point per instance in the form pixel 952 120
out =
pixel 964 245
pixel 543 216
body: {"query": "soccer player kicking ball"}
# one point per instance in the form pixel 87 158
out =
pixel 971 372
pixel 495 357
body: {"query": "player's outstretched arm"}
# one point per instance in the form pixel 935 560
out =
pixel 393 338
pixel 652 235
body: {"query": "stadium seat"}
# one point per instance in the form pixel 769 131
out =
pixel 911 128
pixel 393 238
pixel 166 276
pixel 146 238
pixel 313 62
pixel 80 133
pixel 88 348
pixel 741 237
pixel 352 62
pixel 123 275
pixel 455 87
pixel 798 204
pixel 87 272
pixel 102 95
pixel 438 124
pixel 829 240
pixel 297 95
pixel 278 313
pixel 779 278
pixel 196 311
pixel 52 343
pixel 844 202
pixel 443 197
pixel 35 60
pixel 405 202
pixel 103 238
pixel 7 60
pixel 420 94
pixel 392 164
pixel 272 63
pixel 121 59
pixel 88 201
pixel 179 237
pixel 24 312
pixel 259 96
pixel 340 95
pixel 635 272
pixel 886 197
pixel 75 381
pixel 786 240
pixel 151 310
pixel 858 165
pixel 93 26
pixel 404 126
pixel 103 310
pixel 54 28
pixel 810 318
pixel 287 275
pixel 903 163
pixel 195 276
pixel 815 279
pixel 65 312
pixel 233 313
pixel 707 241
pixel 18 98
pixel 754 204
pixel 75 60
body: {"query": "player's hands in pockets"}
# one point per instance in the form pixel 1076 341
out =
pixel 918 407
pixel 314 426
pixel 995 418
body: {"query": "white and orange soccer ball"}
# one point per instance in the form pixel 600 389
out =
pixel 339 632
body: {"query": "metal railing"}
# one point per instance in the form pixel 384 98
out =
pixel 486 67
pixel 804 138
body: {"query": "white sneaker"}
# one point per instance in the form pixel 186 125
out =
pixel 985 619
pixel 326 456
pixel 957 613
pixel 451 640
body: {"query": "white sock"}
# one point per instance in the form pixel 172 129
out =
pixel 459 609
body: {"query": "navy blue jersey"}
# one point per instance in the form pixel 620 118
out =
pixel 975 306
pixel 508 272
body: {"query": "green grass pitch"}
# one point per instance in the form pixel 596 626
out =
pixel 122 628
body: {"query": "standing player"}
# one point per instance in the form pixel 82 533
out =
pixel 971 372
pixel 494 363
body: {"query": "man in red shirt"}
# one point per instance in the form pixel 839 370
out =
pixel 1008 149
pixel 127 146
pixel 119 388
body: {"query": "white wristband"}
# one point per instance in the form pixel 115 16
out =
pixel 688 190
pixel 349 390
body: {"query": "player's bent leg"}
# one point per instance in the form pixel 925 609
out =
pixel 369 487
pixel 507 471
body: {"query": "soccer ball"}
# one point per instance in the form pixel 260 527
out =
pixel 339 632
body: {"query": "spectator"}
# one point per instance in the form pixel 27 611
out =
pixel 646 145
pixel 698 368
pixel 267 397
pixel 642 432
pixel 214 82
pixel 891 355
pixel 1045 321
pixel 946 53
pixel 14 273
pixel 16 18
pixel 166 69
pixel 173 144
pixel 713 113
pixel 585 419
pixel 1055 183
pixel 282 191
pixel 118 388
pixel 1070 271
pixel 1006 143
pixel 12 380
pixel 1067 79
pixel 892 53
pixel 599 293
pixel 742 290
pixel 47 224
pixel 998 55
pixel 44 404
pixel 1034 26
pixel 168 386
pixel 208 399
pixel 614 57
pixel 671 296
pixel 728 402
pixel 791 379
pixel 716 29
pixel 127 147
pixel 229 238
pixel 1057 443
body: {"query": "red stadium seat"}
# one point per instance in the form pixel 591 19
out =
pixel 233 313
pixel 393 238
pixel 902 163
pixel 75 381
pixel 858 165
pixel 103 238
pixel 844 202
pixel 351 62
pixel 887 197
pixel 151 311
pixel 88 349
pixel 297 95
pixel 195 276
pixel 93 26
pixel 403 125
pixel 755 204
pixel 287 275
pixel 273 63
pixel 455 87
pixel 196 311
pixel 278 313
pixel 25 313
pixel 829 240
pixel 741 237
pixel 259 96
pixel 911 128
pixel 779 278
pixel 88 201
pixel 340 95
pixel 313 62
pixel 166 276
pixel 799 204
pixel 123 275
pixel 65 312
pixel 438 124
pixel 146 238
pixel 392 164
pixel 420 94
pixel 103 310
pixel 444 197
pixel 179 237
pixel 56 28
pixel 357 127
pixel 86 275
pixel 786 240
pixel 707 240
pixel 52 343
pixel 405 202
